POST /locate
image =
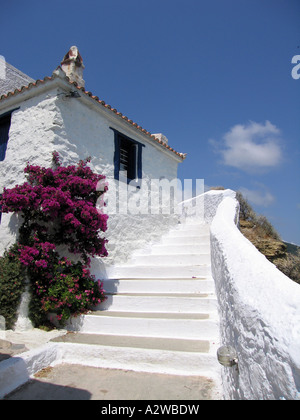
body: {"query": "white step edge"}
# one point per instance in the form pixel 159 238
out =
pixel 158 272
pixel 142 359
pixel 177 260
pixel 174 249
pixel 202 329
pixel 181 240
pixel 203 285
pixel 159 303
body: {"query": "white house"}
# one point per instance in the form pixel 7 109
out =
pixel 175 302
pixel 58 114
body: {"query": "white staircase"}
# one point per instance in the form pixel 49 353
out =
pixel 161 309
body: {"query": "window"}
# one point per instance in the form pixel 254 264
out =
pixel 128 158
pixel 128 165
pixel 5 121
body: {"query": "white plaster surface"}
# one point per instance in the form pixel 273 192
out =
pixel 259 311
pixel 259 306
pixel 30 140
pixel 17 370
pixel 77 129
pixel 147 325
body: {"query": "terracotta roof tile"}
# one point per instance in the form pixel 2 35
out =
pixel 101 102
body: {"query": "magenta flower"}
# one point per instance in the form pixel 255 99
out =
pixel 59 207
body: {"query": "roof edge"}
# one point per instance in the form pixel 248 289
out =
pixel 59 73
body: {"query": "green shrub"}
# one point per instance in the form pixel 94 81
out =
pixel 64 289
pixel 12 285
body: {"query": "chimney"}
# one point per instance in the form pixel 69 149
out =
pixel 72 65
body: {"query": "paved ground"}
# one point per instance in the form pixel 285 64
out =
pixel 73 382
pixel 8 349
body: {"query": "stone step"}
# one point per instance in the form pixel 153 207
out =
pixel 171 260
pixel 174 249
pixel 185 240
pixel 188 303
pixel 188 233
pixel 154 343
pixel 152 315
pixel 161 310
pixel 168 325
pixel 159 285
pixel 194 226
pixel 147 271
pixel 144 354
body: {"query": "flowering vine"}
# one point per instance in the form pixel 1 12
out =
pixel 59 207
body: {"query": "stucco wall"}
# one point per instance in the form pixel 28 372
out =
pixel 31 139
pixel 203 207
pixel 77 130
pixel 83 132
pixel 259 311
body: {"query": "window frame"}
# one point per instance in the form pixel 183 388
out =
pixel 6 117
pixel 135 148
pixel 5 123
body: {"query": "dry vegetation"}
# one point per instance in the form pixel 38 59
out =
pixel 265 238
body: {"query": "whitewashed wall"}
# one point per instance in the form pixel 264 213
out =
pixel 76 128
pixel 203 207
pixel 259 311
pixel 31 139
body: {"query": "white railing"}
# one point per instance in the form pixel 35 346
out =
pixel 259 312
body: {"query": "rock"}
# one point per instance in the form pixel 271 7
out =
pixel 272 248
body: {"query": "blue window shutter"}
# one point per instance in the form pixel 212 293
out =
pixel 139 162
pixel 4 135
pixel 117 156
pixel 135 152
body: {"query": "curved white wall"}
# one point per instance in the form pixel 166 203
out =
pixel 259 311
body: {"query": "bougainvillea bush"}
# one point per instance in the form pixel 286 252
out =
pixel 59 207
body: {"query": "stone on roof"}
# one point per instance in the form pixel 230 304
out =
pixel 73 66
pixel 16 82
pixel 11 78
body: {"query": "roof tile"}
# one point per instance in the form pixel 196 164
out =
pixel 96 98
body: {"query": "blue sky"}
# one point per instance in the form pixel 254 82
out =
pixel 213 75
